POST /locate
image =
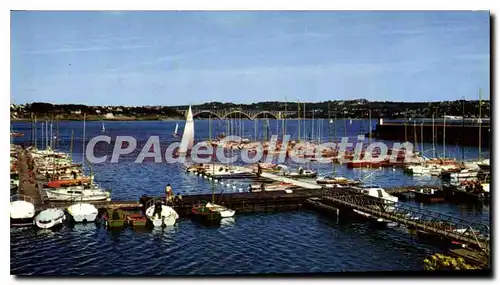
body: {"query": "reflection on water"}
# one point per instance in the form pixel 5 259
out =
pixel 227 222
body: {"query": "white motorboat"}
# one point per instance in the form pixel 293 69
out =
pixel 82 212
pixel 378 192
pixel 49 218
pixel 484 165
pixel 160 214
pixel 77 193
pixel 464 174
pixel 224 212
pixel 418 169
pixel 301 173
pixel 22 210
pixel 223 171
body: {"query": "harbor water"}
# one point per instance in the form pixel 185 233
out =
pixel 289 242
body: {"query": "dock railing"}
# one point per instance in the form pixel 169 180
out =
pixel 466 231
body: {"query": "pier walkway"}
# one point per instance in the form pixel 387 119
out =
pixel 468 232
pixel 27 180
pixel 279 178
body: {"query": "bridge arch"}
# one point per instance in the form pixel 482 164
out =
pixel 274 115
pixel 237 111
pixel 197 113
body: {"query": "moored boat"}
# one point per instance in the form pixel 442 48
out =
pixel 115 218
pixel 428 195
pixel 329 180
pixel 77 193
pixel 22 210
pixel 68 182
pixel 49 218
pixel 224 212
pixel 204 214
pixel 136 220
pixel 161 215
pixel 82 212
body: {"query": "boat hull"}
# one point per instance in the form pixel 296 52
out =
pixel 81 213
pixel 83 218
pixel 59 197
pixel 51 223
pixel 168 216
pixel 21 222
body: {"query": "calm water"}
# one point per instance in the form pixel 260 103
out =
pixel 294 242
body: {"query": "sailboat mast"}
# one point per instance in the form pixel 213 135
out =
pixel 298 118
pixel 284 122
pixel 83 143
pixel 312 125
pixel 370 123
pixel 415 133
pixel 335 127
pixel 209 128
pixel 433 143
pixel 304 121
pixel 43 138
pixel 444 136
pixel 71 145
pixel 406 132
pixel 422 137
pixel 480 123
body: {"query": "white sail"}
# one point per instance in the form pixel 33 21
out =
pixel 176 128
pixel 103 129
pixel 188 134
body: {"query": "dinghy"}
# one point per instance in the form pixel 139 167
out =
pixel 22 210
pixel 161 215
pixel 49 218
pixel 82 212
pixel 224 212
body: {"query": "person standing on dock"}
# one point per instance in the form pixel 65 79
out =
pixel 259 169
pixel 168 193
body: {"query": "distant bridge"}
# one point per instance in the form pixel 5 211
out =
pixel 249 114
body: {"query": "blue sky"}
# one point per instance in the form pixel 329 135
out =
pixel 174 58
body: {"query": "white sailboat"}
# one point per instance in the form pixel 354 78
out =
pixel 188 134
pixel 175 134
pixel 103 129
